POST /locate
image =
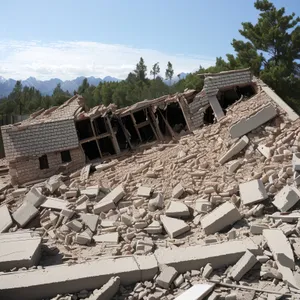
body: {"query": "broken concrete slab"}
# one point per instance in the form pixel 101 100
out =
pixel 296 161
pixel 202 205
pixel 75 225
pixel 224 215
pixel 109 201
pixel 90 220
pixel 5 218
pixel 282 253
pixel 19 192
pixel 144 191
pixel 286 198
pixel 178 191
pixel 246 125
pixel 208 269
pixel 174 227
pixel 154 228
pixel 244 265
pixel 267 152
pixel 83 238
pixel 252 192
pixel 110 238
pixel 19 249
pixel 85 172
pixel 53 183
pixel 196 292
pixel 195 257
pixel 108 290
pixel 234 150
pixel 233 166
pixel 64 279
pixel 90 191
pixel 55 203
pixel 35 197
pixel 166 276
pixel 25 213
pixel 177 209
pixel 258 228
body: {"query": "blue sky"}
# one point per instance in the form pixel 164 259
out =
pixel 69 38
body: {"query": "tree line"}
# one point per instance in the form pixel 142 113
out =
pixel 271 49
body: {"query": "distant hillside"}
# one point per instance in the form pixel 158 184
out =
pixel 46 87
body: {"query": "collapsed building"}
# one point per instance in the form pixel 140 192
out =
pixel 64 138
pixel 215 213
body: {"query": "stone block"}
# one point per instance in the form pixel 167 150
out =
pixel 108 290
pixel 196 292
pixel 19 249
pixel 144 191
pixel 5 219
pixel 35 197
pixel 90 220
pixel 252 192
pixel 177 209
pixel 55 203
pixel 221 217
pixel 174 227
pixel 244 265
pixel 246 125
pixel 25 213
pixel 296 161
pixel 178 191
pixel 109 238
pixel 166 276
pixel 286 198
pixel 234 150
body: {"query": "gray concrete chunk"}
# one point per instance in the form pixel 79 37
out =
pixel 166 276
pixel 221 217
pixel 144 191
pixel 178 191
pixel 177 209
pixel 286 198
pixel 196 292
pixel 174 227
pixel 34 197
pixel 110 238
pixel 246 125
pixel 244 265
pixel 234 150
pixel 296 161
pixel 90 220
pixel 55 203
pixel 5 218
pixel 19 249
pixel 252 192
pixel 25 213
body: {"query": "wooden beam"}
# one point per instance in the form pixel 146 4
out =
pixel 134 125
pixel 125 132
pixel 113 136
pixel 152 117
pixel 167 124
pixel 94 132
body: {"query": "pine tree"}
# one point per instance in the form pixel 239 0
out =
pixel 169 72
pixel 155 70
pixel 141 70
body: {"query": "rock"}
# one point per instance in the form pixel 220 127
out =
pixel 144 191
pixel 110 238
pixel 154 228
pixel 177 191
pixel 5 219
pixel 208 269
pixel 156 203
pixel 166 276
pixel 25 213
pixel 286 198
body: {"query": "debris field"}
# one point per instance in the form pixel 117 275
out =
pixel 212 215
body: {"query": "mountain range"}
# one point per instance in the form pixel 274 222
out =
pixel 46 87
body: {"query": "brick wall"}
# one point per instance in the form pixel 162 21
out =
pixel 38 139
pixel 27 169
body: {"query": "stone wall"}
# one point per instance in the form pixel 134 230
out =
pixel 38 139
pixel 26 169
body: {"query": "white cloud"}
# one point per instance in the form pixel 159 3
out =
pixel 67 60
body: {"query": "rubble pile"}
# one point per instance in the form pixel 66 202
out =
pixel 217 214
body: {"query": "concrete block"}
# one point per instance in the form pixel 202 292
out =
pixel 296 161
pixel 109 201
pixel 178 191
pixel 156 203
pixel 258 228
pixel 19 249
pixel 202 206
pixel 208 269
pixel 90 220
pixel 265 151
pixel 174 227
pixel 196 257
pixel 53 183
pixel 196 292
pixel 5 218
pixel 144 191
pixel 63 279
pixel 244 265
pixel 55 203
pixel 154 228
pixel 252 192
pixel 25 213
pixel 108 290
pixel 221 217
pixel 286 198
pixel 166 276
pixel 246 125
pixel 35 197
pixel 75 225
pixel 19 192
pixel 83 238
pixel 283 255
pixel 110 238
pixel 90 191
pixel 234 150
pixel 177 209
pixel 233 166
